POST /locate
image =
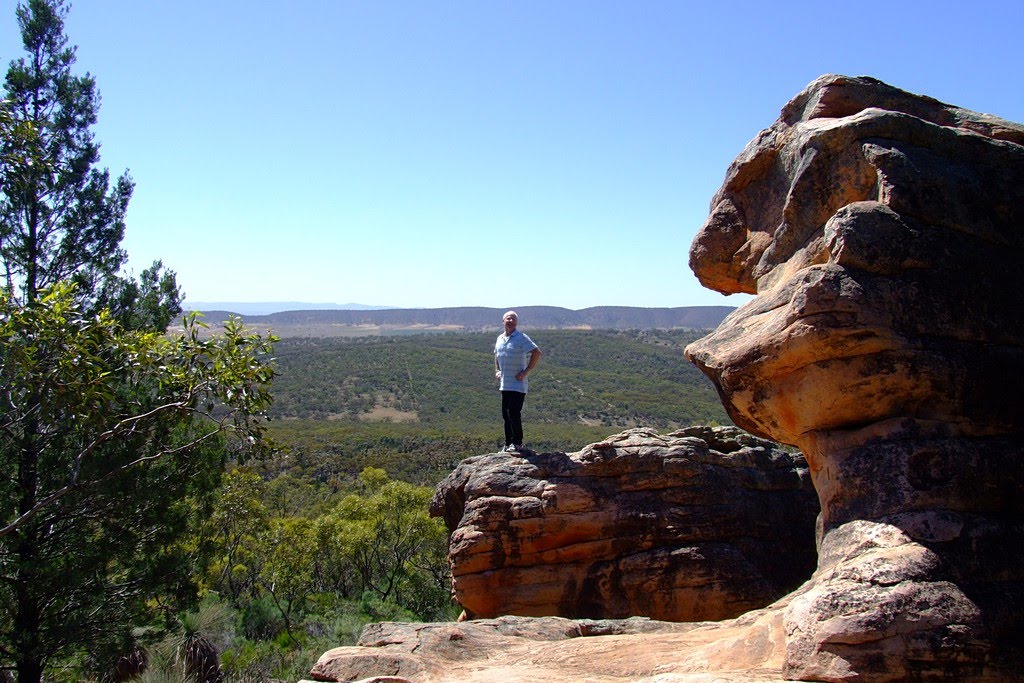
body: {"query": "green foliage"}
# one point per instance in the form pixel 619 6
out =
pixel 189 652
pixel 302 583
pixel 250 661
pixel 286 567
pixel 589 384
pixel 387 537
pixel 376 537
pixel 261 619
pixel 20 148
pixel 235 525
pixel 287 495
pixel 195 654
pixel 149 303
pixel 110 444
pixel 327 455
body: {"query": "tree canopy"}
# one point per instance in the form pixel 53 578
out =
pixel 62 217
pixel 113 435
pixel 110 441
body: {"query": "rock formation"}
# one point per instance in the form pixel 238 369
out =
pixel 557 650
pixel 701 524
pixel 882 232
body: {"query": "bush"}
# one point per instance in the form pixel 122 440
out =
pixel 261 619
pixel 383 610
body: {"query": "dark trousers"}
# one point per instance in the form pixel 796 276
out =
pixel 511 413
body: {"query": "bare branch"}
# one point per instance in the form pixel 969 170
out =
pixel 74 484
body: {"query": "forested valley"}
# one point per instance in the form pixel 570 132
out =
pixel 414 405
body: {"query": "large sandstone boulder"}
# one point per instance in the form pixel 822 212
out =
pixel 883 233
pixel 701 524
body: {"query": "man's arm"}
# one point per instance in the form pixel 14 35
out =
pixel 534 357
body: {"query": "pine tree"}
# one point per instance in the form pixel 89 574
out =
pixel 61 218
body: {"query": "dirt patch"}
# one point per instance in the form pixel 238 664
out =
pixel 386 414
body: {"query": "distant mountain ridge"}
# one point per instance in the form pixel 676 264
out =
pixel 269 307
pixel 482 318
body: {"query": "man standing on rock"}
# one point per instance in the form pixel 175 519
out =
pixel 515 355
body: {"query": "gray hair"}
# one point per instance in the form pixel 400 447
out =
pixel 510 313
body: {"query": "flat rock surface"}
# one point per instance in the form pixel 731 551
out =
pixel 554 650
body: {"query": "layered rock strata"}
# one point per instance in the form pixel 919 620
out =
pixel 701 524
pixel 882 233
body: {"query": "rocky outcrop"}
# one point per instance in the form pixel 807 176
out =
pixel 701 524
pixel 557 650
pixel 883 232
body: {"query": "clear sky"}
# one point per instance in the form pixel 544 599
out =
pixel 473 153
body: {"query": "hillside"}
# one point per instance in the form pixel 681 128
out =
pixel 324 323
pixel 594 377
pixel 410 404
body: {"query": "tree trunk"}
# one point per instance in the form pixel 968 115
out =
pixel 29 651
pixel 30 670
pixel 27 617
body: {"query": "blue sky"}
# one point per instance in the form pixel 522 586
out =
pixel 449 153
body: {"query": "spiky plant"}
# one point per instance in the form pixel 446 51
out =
pixel 161 667
pixel 192 650
pixel 129 665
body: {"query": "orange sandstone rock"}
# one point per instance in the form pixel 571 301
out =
pixel 700 524
pixel 883 232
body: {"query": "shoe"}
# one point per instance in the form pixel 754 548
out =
pixel 511 448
